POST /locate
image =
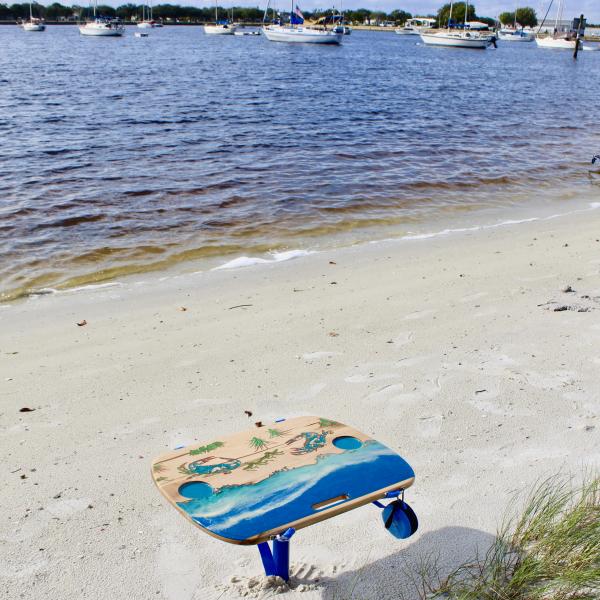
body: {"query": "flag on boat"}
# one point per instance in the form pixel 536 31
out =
pixel 297 18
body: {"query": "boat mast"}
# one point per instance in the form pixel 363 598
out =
pixel 466 11
pixel 30 13
pixel 216 14
pixel 559 10
pixel 450 17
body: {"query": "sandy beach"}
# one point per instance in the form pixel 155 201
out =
pixel 462 352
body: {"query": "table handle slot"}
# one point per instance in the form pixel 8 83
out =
pixel 331 502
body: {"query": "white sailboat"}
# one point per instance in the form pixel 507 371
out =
pixel 559 40
pixel 297 34
pixel 146 23
pixel 102 26
pixel 220 27
pixel 515 35
pixel 33 24
pixel 458 39
pixel 416 26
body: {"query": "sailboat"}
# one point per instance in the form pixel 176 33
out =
pixel 296 33
pixel 458 39
pixel 102 26
pixel 33 24
pixel 559 40
pixel 416 26
pixel 224 27
pixel 146 23
pixel 514 34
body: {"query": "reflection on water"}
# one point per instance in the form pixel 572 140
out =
pixel 125 155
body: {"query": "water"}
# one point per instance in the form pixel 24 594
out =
pixel 125 155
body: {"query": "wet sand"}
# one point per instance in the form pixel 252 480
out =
pixel 448 349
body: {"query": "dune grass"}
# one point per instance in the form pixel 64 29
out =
pixel 551 551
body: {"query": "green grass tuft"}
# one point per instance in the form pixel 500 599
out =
pixel 550 552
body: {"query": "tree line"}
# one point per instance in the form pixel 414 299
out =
pixel 191 14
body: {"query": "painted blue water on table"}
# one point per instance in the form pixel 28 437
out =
pixel 125 155
pixel 240 512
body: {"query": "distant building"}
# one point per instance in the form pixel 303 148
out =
pixel 562 26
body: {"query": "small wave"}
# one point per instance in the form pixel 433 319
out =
pixel 247 261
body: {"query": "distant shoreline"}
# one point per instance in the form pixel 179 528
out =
pixel 587 38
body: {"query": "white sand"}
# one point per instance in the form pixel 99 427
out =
pixel 442 348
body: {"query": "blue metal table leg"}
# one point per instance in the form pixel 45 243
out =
pixel 267 558
pixel 278 561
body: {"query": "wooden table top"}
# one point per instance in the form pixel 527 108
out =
pixel 247 487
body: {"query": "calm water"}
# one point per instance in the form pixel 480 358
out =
pixel 126 155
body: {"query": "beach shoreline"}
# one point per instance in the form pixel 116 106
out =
pixel 461 351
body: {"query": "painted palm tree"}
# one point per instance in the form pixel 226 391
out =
pixel 207 448
pixel 327 423
pixel 257 443
pixel 275 432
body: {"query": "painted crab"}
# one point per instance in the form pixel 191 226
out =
pixel 312 441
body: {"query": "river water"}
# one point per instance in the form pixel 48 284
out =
pixel 126 155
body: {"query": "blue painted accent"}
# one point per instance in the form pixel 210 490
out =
pixel 244 511
pixel 196 490
pixel 347 442
pixel 199 468
pixel 279 420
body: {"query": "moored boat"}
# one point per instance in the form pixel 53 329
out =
pixel 295 32
pixel 515 35
pixel 223 27
pixel 416 26
pixel 458 38
pixel 305 35
pixel 103 27
pixel 33 24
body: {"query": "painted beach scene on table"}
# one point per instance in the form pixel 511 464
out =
pixel 245 487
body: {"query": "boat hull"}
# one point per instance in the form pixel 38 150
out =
pixel 219 30
pixel 437 39
pixel 555 44
pixel 33 27
pixel 511 37
pixel 145 25
pixel 302 36
pixel 98 32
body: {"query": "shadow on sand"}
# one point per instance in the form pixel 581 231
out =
pixel 395 577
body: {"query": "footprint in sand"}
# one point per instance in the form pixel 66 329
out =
pixel 386 391
pixel 420 314
pixel 406 337
pixel 550 381
pixel 430 427
pixel 370 376
pixel 472 297
pixel 321 355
